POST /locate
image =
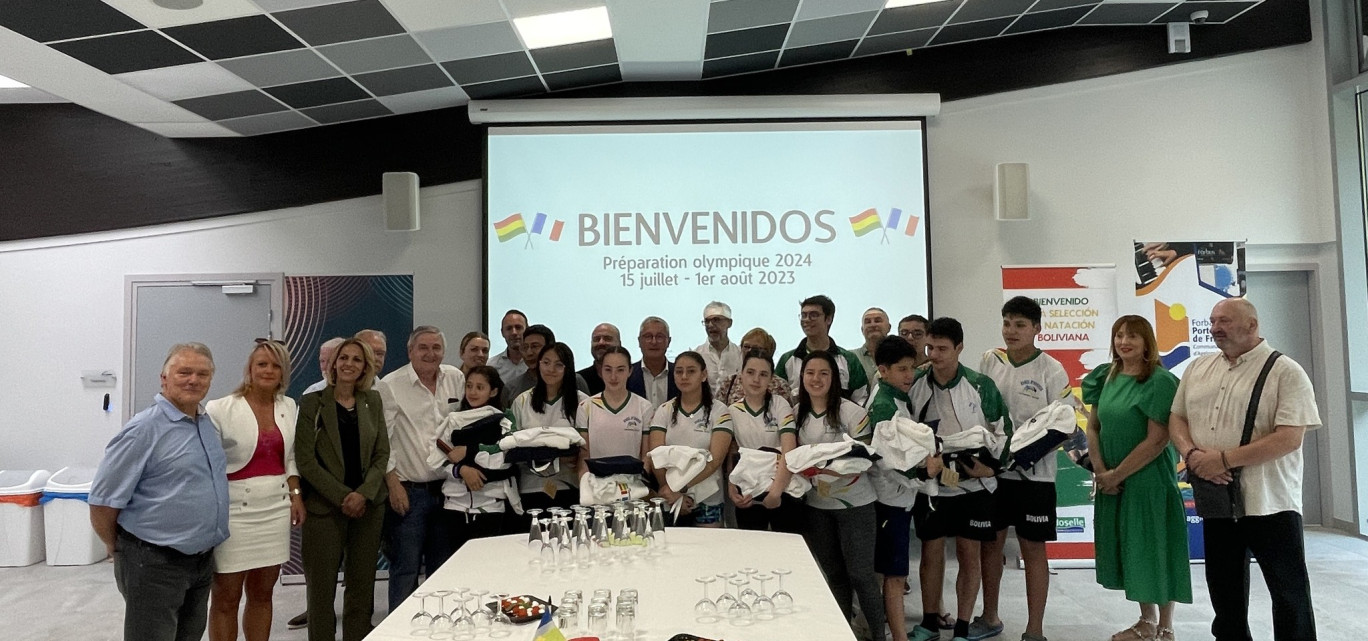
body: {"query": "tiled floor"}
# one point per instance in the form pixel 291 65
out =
pixel 42 603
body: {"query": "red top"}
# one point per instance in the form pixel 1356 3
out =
pixel 267 460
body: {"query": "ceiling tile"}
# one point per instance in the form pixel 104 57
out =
pixel 186 81
pixel 817 53
pixel 347 111
pixel 1126 13
pixel 425 15
pixel 985 9
pixel 740 64
pixel 890 42
pixel 283 68
pixel 1049 5
pixel 525 8
pixel 470 42
pixel 835 29
pixel 341 22
pixel 653 70
pixel 575 56
pixel 318 92
pixel 1048 20
pixel 1220 11
pixel 186 129
pixel 125 52
pixel 487 68
pixel 506 88
pixel 407 80
pixel 267 123
pixel 157 16
pixel 425 100
pixel 287 5
pixel 583 77
pixel 377 54
pixel 744 14
pixel 48 20
pixel 813 9
pixel 971 30
pixel 918 16
pixel 231 105
pixel 664 35
pixel 732 43
pixel 234 37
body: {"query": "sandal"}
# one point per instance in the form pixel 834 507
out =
pixel 1143 630
pixel 946 621
pixel 1164 634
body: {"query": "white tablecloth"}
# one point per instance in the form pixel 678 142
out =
pixel 666 586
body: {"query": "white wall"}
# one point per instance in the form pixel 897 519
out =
pixel 1224 149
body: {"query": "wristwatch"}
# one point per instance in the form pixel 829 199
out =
pixel 295 491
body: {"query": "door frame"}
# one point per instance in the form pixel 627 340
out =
pixel 134 282
pixel 1317 372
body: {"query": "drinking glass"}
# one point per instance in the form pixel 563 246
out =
pixel 626 619
pixel 423 618
pixel 481 615
pixel 567 616
pixel 534 533
pixel 503 626
pixel 763 607
pixel 705 610
pixel 783 601
pixel 748 595
pixel 739 613
pixel 658 520
pixel 598 619
pixel 463 623
pixel 441 622
pixel 725 600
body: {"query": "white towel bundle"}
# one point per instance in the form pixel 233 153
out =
pixel 556 437
pixel 972 439
pixel 1057 416
pixel 903 444
pixel 459 497
pixel 604 490
pixel 436 459
pixel 681 464
pixel 754 474
pixel 830 457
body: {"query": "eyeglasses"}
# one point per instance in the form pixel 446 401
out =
pixel 716 320
pixel 911 333
pixel 262 341
pixel 809 315
pixel 552 365
pixel 654 338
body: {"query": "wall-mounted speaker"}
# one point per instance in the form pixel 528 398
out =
pixel 400 190
pixel 1011 194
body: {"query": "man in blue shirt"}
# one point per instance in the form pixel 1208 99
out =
pixel 159 502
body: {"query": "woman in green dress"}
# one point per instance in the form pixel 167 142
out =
pixel 1140 526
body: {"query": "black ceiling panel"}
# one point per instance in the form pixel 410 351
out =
pixel 917 16
pixel 48 20
pixel 733 43
pixel 971 31
pixel 1219 11
pixel 986 9
pixel 587 77
pixel 232 105
pixel 490 68
pixel 817 53
pixel 740 64
pixel 406 80
pixel 124 52
pixel 347 111
pixel 576 56
pixel 234 37
pixel 1048 19
pixel 1126 13
pixel 506 88
pixel 1050 5
pixel 302 95
pixel 895 41
pixel 330 23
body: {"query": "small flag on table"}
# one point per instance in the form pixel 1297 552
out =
pixel 546 630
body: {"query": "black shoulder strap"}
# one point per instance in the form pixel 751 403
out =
pixel 1255 396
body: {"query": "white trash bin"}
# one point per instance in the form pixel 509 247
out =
pixel 21 517
pixel 66 518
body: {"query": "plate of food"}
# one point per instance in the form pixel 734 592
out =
pixel 523 609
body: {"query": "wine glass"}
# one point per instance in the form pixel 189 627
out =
pixel 739 613
pixel 783 601
pixel 481 615
pixel 705 610
pixel 748 595
pixel 423 618
pixel 725 600
pixel 763 607
pixel 503 626
pixel 658 520
pixel 535 539
pixel 441 622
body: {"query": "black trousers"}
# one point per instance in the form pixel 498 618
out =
pixel 166 592
pixel 788 517
pixel 1276 541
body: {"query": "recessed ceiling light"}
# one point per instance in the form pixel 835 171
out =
pixel 178 4
pixel 10 83
pixel 894 4
pixel 566 27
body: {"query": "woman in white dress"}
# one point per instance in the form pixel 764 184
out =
pixel 256 423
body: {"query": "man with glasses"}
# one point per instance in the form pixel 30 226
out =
pixel 722 356
pixel 815 316
pixel 653 376
pixel 913 330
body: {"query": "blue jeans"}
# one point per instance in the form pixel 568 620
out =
pixel 417 540
pixel 166 592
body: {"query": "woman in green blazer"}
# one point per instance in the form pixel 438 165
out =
pixel 342 449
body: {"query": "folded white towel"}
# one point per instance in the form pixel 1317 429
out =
pixel 903 443
pixel 603 490
pixel 972 439
pixel 754 474
pixel 557 437
pixel 1057 416
pixel 457 421
pixel 828 456
pixel 681 464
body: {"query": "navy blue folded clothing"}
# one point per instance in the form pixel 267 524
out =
pixel 960 459
pixel 1044 446
pixel 486 431
pixel 537 454
pixel 610 465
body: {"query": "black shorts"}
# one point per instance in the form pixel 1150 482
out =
pixel 965 515
pixel 892 539
pixel 1029 506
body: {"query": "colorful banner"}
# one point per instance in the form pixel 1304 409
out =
pixel 1177 284
pixel 1078 305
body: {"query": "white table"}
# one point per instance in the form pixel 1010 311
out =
pixel 665 583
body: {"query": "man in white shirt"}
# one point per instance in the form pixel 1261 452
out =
pixel 722 356
pixel 509 362
pixel 1206 426
pixel 874 326
pixel 325 354
pixel 416 397
pixel 378 344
